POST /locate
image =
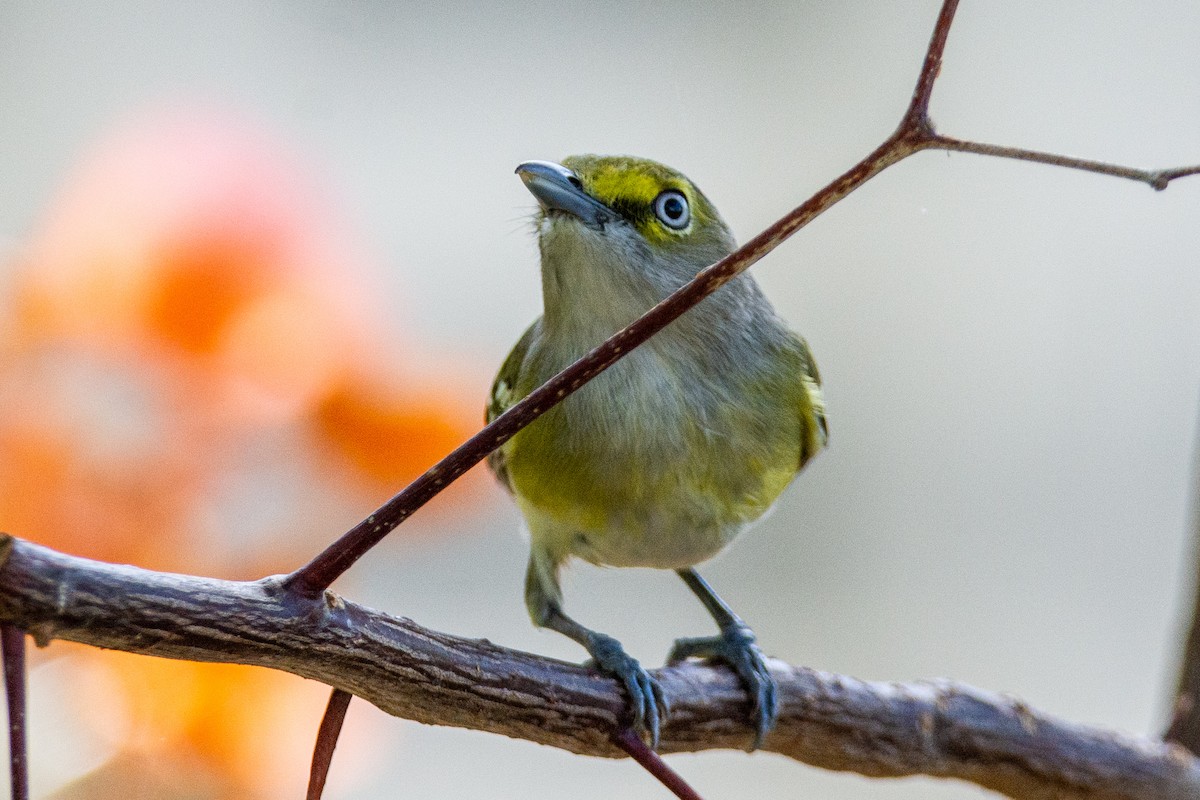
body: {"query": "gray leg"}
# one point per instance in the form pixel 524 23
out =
pixel 735 646
pixel 544 599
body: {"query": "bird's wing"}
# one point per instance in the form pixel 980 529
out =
pixel 505 394
pixel 814 429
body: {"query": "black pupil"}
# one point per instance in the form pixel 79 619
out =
pixel 673 207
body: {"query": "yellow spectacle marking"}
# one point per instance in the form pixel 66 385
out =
pixel 613 185
pixel 628 183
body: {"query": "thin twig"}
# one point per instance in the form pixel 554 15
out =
pixel 652 762
pixel 1157 179
pixel 939 729
pixel 917 115
pixel 327 737
pixel 311 579
pixel 12 644
pixel 1184 726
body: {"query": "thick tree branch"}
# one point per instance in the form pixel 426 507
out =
pixel 877 729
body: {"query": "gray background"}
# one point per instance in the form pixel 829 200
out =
pixel 1010 351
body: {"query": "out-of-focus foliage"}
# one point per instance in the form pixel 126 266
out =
pixel 191 379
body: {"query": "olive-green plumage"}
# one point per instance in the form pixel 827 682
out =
pixel 665 457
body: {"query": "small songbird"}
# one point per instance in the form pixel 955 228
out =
pixel 676 449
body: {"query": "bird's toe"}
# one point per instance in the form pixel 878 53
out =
pixel 738 648
pixel 647 704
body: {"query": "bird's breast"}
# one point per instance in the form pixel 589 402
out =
pixel 653 463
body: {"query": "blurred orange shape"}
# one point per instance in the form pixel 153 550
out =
pixel 195 287
pixel 189 316
pixel 389 435
pixel 176 227
pixel 191 239
pixel 283 352
pixel 252 729
pixel 53 493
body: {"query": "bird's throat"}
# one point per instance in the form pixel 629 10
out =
pixel 590 290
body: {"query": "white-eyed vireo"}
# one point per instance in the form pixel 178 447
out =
pixel 666 457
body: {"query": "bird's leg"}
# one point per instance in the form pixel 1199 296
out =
pixel 646 701
pixel 735 646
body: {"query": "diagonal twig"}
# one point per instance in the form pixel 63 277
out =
pixel 914 134
pixel 652 762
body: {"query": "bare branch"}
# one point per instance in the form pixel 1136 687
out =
pixel 12 643
pixel 877 729
pixel 917 115
pixel 912 135
pixel 327 737
pixel 652 762
pixel 1156 179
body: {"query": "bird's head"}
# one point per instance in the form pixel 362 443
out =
pixel 623 220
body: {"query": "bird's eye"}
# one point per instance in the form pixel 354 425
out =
pixel 672 208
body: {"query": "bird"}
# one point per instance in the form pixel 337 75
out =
pixel 667 456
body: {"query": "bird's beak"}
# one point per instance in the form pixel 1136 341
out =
pixel 559 189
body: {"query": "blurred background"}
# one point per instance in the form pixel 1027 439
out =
pixel 259 263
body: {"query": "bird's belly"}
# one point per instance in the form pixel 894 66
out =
pixel 648 536
pixel 665 484
pixel 655 546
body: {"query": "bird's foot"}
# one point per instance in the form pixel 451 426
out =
pixel 736 646
pixel 646 701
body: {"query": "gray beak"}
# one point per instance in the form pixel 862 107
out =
pixel 558 189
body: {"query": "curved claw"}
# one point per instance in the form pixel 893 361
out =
pixel 736 646
pixel 646 701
